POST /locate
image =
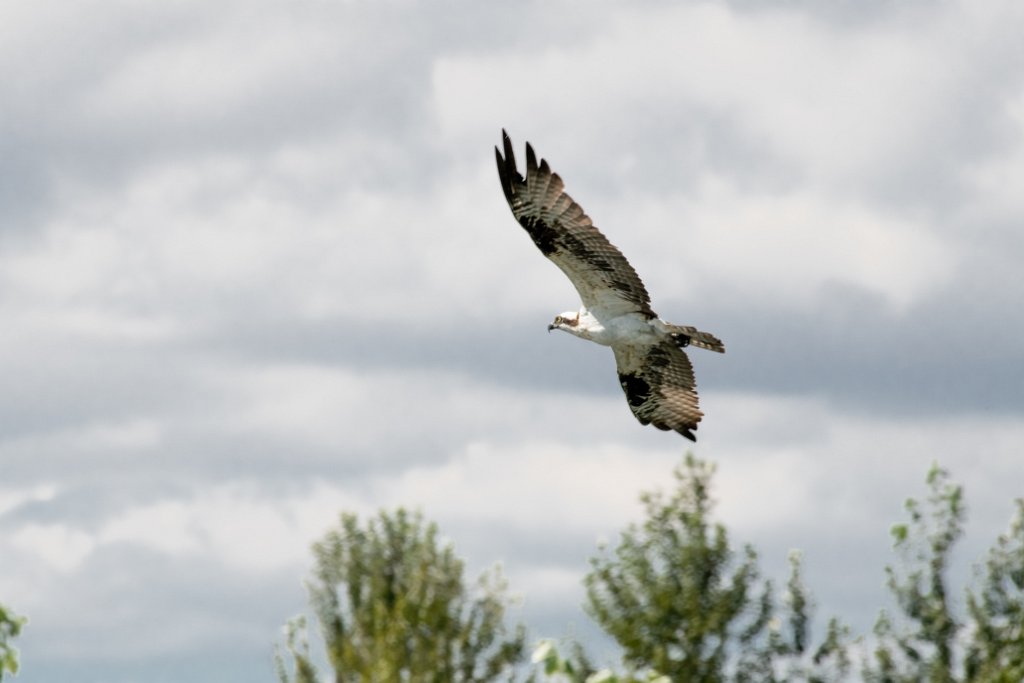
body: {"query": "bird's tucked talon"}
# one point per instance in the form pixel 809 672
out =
pixel 682 340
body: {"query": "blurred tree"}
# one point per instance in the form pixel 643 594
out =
pixel 674 595
pixel 933 643
pixel 682 603
pixel 924 649
pixel 679 600
pixel 788 656
pixel 392 606
pixel 10 627
pixel 303 669
pixel 996 650
pixel 576 669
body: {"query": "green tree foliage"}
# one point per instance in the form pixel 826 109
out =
pixel 303 669
pixel 575 668
pixel 674 595
pixel 682 603
pixel 392 606
pixel 924 650
pixel 929 640
pixel 10 627
pixel 996 651
pixel 554 666
pixel 789 655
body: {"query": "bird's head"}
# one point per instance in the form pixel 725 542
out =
pixel 566 321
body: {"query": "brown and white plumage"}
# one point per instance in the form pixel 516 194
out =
pixel 566 235
pixel 654 371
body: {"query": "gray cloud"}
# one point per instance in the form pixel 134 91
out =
pixel 255 267
pixel 146 609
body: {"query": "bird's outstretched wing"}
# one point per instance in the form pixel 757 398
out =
pixel 659 385
pixel 607 284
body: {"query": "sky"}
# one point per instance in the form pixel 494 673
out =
pixel 256 269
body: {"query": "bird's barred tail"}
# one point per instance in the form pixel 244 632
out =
pixel 684 335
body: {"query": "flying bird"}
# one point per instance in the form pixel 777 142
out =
pixel 654 371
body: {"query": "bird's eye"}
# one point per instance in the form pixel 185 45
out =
pixel 559 320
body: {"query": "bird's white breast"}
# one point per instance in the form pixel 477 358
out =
pixel 631 328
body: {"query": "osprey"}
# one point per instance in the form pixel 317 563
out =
pixel 654 371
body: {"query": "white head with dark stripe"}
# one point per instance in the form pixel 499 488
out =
pixel 567 322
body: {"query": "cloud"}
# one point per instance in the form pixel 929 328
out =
pixel 831 116
pixel 255 269
pixel 786 250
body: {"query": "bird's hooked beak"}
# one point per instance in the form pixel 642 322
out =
pixel 551 327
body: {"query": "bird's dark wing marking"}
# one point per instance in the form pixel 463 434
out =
pixel 659 385
pixel 606 282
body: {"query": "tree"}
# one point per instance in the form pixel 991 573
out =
pixel 996 651
pixel 10 627
pixel 304 671
pixel 924 650
pixel 674 595
pixel 392 606
pixel 929 640
pixel 788 654
pixel 683 604
pixel 577 669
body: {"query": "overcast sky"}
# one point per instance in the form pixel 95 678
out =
pixel 256 269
